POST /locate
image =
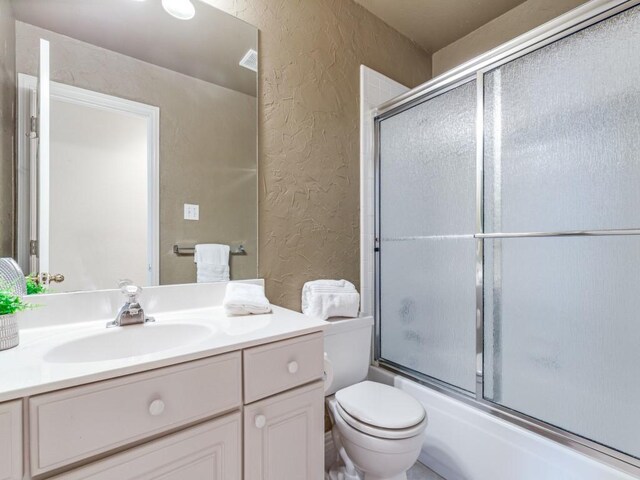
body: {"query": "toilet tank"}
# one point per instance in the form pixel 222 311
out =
pixel 347 347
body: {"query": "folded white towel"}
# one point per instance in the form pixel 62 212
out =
pixel 245 299
pixel 212 262
pixel 330 298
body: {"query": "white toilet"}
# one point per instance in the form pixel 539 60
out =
pixel 378 429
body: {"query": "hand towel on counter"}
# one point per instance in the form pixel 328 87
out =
pixel 245 299
pixel 212 262
pixel 330 298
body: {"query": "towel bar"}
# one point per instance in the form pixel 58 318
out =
pixel 183 251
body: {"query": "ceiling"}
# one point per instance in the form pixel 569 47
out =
pixel 208 47
pixel 433 24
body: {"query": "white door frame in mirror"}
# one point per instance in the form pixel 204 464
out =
pixel 27 86
pixel 40 194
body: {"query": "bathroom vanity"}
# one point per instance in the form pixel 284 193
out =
pixel 195 394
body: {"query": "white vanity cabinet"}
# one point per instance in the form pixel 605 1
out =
pixel 284 433
pixel 283 436
pixel 194 420
pixel 11 440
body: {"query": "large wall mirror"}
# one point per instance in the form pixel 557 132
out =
pixel 128 135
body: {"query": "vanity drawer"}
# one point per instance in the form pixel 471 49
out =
pixel 211 451
pixel 11 440
pixel 77 423
pixel 279 366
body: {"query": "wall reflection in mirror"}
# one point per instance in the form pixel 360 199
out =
pixel 126 129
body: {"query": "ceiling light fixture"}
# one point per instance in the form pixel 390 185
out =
pixel 181 9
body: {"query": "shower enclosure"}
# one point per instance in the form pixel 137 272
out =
pixel 507 232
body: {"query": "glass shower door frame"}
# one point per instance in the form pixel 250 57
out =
pixel 564 26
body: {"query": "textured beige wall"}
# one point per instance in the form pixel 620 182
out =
pixel 517 21
pixel 207 145
pixel 310 53
pixel 7 101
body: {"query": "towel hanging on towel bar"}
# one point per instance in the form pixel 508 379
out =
pixel 184 250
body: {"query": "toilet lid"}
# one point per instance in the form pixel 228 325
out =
pixel 380 405
pixel 388 433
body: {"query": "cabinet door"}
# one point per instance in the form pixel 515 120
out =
pixel 284 436
pixel 210 451
pixel 11 440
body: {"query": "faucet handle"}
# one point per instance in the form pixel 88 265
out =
pixel 129 289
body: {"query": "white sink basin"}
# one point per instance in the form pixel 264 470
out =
pixel 130 341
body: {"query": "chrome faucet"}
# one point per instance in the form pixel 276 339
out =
pixel 131 312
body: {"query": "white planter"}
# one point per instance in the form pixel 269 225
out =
pixel 8 331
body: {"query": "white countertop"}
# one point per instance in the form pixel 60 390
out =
pixel 25 372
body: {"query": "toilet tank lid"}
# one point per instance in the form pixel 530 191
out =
pixel 339 325
pixel 380 405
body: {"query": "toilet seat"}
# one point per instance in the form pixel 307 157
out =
pixel 381 411
pixel 386 433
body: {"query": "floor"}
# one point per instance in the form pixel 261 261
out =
pixel 420 472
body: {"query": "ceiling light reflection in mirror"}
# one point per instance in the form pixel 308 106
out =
pixel 181 9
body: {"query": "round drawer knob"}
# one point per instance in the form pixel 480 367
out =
pixel 156 407
pixel 261 421
pixel 292 367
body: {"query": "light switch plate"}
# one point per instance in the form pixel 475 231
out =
pixel 191 212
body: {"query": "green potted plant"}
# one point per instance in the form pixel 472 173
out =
pixel 10 305
pixel 34 287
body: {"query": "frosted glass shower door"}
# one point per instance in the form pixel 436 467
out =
pixel 562 313
pixel 568 351
pixel 427 216
pixel 562 135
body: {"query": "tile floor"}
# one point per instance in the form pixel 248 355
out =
pixel 420 472
pixel 417 472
